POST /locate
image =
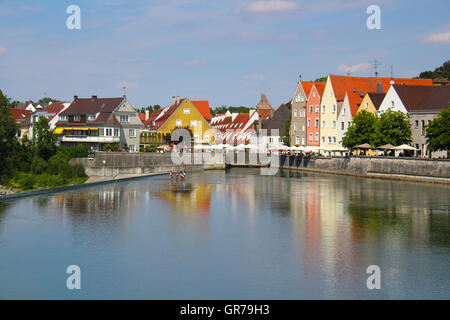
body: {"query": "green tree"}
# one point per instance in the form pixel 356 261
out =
pixel 321 79
pixel 47 100
pixel 8 139
pixel 286 138
pixel 362 130
pixel 438 132
pixel 445 71
pixel 393 127
pixel 43 139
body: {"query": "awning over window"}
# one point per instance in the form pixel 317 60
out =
pixel 58 130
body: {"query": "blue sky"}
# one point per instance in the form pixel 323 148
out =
pixel 227 51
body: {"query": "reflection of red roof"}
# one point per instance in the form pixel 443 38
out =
pixel 203 108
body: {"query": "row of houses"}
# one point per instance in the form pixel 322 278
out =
pixel 322 112
pixel 97 122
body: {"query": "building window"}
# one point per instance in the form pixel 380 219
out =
pixel 303 140
pixel 91 117
pixel 334 140
pixel 123 118
pixel 186 111
pixel 295 112
pixel 297 139
pixel 392 103
pixel 323 109
pixel 323 139
pixel 132 133
pixel 109 132
pixel 309 123
pixel 349 123
pixel 295 126
pixel 63 118
pixel 303 127
pixel 334 124
pixel 417 124
pixel 343 112
pixel 423 127
pixel 342 125
pixel 116 132
pixel 334 108
pixel 101 132
pixel 317 136
pixel 311 109
pixel 76 118
pixel 132 148
pixel 310 137
pixel 329 139
pixel 193 123
pixel 317 109
pixel 367 105
pixel 323 124
pixel 317 122
pixel 178 123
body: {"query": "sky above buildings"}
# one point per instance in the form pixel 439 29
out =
pixel 227 52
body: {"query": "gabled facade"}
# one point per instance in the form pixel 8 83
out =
pixel 355 88
pixel 371 102
pixel 313 114
pixel 22 119
pixel 344 119
pixel 298 110
pixel 276 123
pixel 183 113
pixel 96 122
pixel 236 128
pixel 422 104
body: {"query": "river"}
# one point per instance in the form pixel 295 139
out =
pixel 230 235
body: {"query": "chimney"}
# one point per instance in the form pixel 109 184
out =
pixel 178 100
pixel 94 97
pixel 147 115
pixel 174 99
pixel 380 88
pixel 75 98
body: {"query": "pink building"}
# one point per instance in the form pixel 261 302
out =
pixel 313 114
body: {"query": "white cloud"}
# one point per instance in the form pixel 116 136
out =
pixel 3 50
pixel 443 38
pixel 272 6
pixel 360 67
pixel 127 84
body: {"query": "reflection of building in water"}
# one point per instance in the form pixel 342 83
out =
pixel 105 199
pixel 188 197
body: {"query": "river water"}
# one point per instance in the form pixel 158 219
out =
pixel 233 235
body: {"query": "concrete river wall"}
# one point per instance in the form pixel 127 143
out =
pixel 113 164
pixel 392 168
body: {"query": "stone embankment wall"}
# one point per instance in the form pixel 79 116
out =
pixel 432 170
pixel 112 164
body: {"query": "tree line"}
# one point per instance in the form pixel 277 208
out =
pixel 36 163
pixel 393 127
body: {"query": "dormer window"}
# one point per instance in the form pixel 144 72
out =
pixel 76 118
pixel 123 118
pixel 62 117
pixel 91 117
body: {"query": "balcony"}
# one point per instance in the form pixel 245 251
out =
pixel 90 139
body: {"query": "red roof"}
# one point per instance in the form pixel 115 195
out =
pixel 320 87
pixel 160 116
pixel 357 87
pixel 307 85
pixel 55 108
pixel 19 114
pixel 264 114
pixel 203 108
pixel 141 116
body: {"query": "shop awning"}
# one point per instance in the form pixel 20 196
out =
pixel 58 130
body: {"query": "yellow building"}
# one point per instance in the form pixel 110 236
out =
pixel 183 113
pixel 371 102
pixel 328 116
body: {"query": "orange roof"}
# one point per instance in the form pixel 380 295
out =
pixel 141 116
pixel 264 114
pixel 320 87
pixel 19 114
pixel 307 86
pixel 203 108
pixel 357 87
